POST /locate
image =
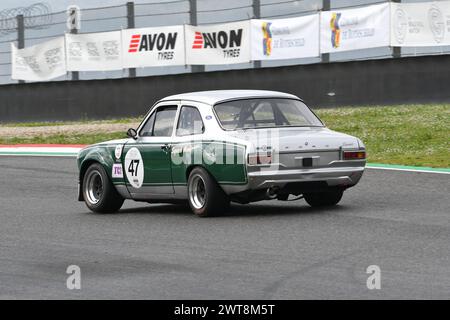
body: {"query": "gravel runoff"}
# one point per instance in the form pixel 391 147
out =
pixel 30 132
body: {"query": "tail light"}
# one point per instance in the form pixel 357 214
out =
pixel 354 155
pixel 260 158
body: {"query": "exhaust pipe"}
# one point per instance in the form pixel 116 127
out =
pixel 271 192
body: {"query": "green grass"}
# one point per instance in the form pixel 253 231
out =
pixel 416 135
pixel 66 139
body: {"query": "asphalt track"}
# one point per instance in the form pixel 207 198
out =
pixel 399 221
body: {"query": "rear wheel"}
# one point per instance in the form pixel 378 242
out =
pixel 323 199
pixel 205 196
pixel 99 193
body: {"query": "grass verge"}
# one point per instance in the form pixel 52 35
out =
pixel 416 135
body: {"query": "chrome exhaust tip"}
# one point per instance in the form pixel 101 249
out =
pixel 271 192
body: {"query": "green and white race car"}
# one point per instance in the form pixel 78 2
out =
pixel 213 147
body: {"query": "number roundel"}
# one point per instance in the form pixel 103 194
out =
pixel 134 167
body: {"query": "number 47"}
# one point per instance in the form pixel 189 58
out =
pixel 133 169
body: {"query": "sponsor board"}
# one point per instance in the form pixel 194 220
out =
pixel 218 44
pixel 285 38
pixel 40 62
pixel 352 29
pixel 420 24
pixel 159 46
pixel 94 51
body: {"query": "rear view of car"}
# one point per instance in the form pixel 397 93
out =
pixel 215 147
pixel 291 151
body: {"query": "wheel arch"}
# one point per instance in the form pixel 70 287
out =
pixel 193 166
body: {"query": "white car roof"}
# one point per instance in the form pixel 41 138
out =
pixel 216 96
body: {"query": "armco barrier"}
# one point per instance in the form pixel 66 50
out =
pixel 388 81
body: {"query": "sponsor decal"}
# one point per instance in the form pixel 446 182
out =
pixel 335 29
pixel 437 24
pixel 267 38
pixel 117 171
pixel 163 42
pixel 118 151
pixel 229 41
pixel 400 25
pixel 134 167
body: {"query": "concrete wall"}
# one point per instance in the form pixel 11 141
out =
pixel 370 82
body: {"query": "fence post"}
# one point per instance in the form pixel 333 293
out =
pixel 326 6
pixel 193 21
pixel 20 35
pixel 256 15
pixel 131 25
pixel 396 51
pixel 75 74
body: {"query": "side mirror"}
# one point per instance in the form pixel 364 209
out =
pixel 132 133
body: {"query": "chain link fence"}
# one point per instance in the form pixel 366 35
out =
pixel 41 24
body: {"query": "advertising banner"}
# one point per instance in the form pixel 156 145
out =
pixel 420 24
pixel 351 29
pixel 218 44
pixel 41 62
pixel 148 47
pixel 94 51
pixel 285 38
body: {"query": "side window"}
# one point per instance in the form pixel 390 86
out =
pixel 160 123
pixel 164 122
pixel 189 121
pixel 147 129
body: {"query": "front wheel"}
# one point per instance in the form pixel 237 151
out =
pixel 206 197
pixel 323 199
pixel 99 193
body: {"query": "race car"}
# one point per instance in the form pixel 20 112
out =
pixel 215 147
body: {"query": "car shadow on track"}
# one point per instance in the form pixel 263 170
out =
pixel 236 210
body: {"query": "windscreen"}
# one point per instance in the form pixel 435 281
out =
pixel 265 113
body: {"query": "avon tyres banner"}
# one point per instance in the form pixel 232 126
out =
pixel 41 62
pixel 285 38
pixel 420 24
pixel 218 44
pixel 94 51
pixel 146 47
pixel 351 29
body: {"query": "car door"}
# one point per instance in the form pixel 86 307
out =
pixel 147 161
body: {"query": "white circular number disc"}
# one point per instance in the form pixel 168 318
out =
pixel 134 167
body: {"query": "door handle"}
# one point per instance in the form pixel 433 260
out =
pixel 166 147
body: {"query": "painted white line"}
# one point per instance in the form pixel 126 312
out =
pixel 24 154
pixel 408 170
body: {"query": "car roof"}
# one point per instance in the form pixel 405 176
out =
pixel 215 96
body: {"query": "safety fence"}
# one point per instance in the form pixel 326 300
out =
pixel 346 32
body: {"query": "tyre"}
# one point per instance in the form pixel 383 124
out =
pixel 323 199
pixel 99 193
pixel 206 197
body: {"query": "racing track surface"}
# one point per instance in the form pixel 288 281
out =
pixel 399 221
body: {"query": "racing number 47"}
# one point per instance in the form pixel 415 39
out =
pixel 132 168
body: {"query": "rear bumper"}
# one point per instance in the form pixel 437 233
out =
pixel 343 175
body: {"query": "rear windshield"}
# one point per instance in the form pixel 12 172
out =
pixel 265 113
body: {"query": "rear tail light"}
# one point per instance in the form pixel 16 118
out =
pixel 260 158
pixel 354 155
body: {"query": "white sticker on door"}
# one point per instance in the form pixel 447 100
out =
pixel 118 151
pixel 134 167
